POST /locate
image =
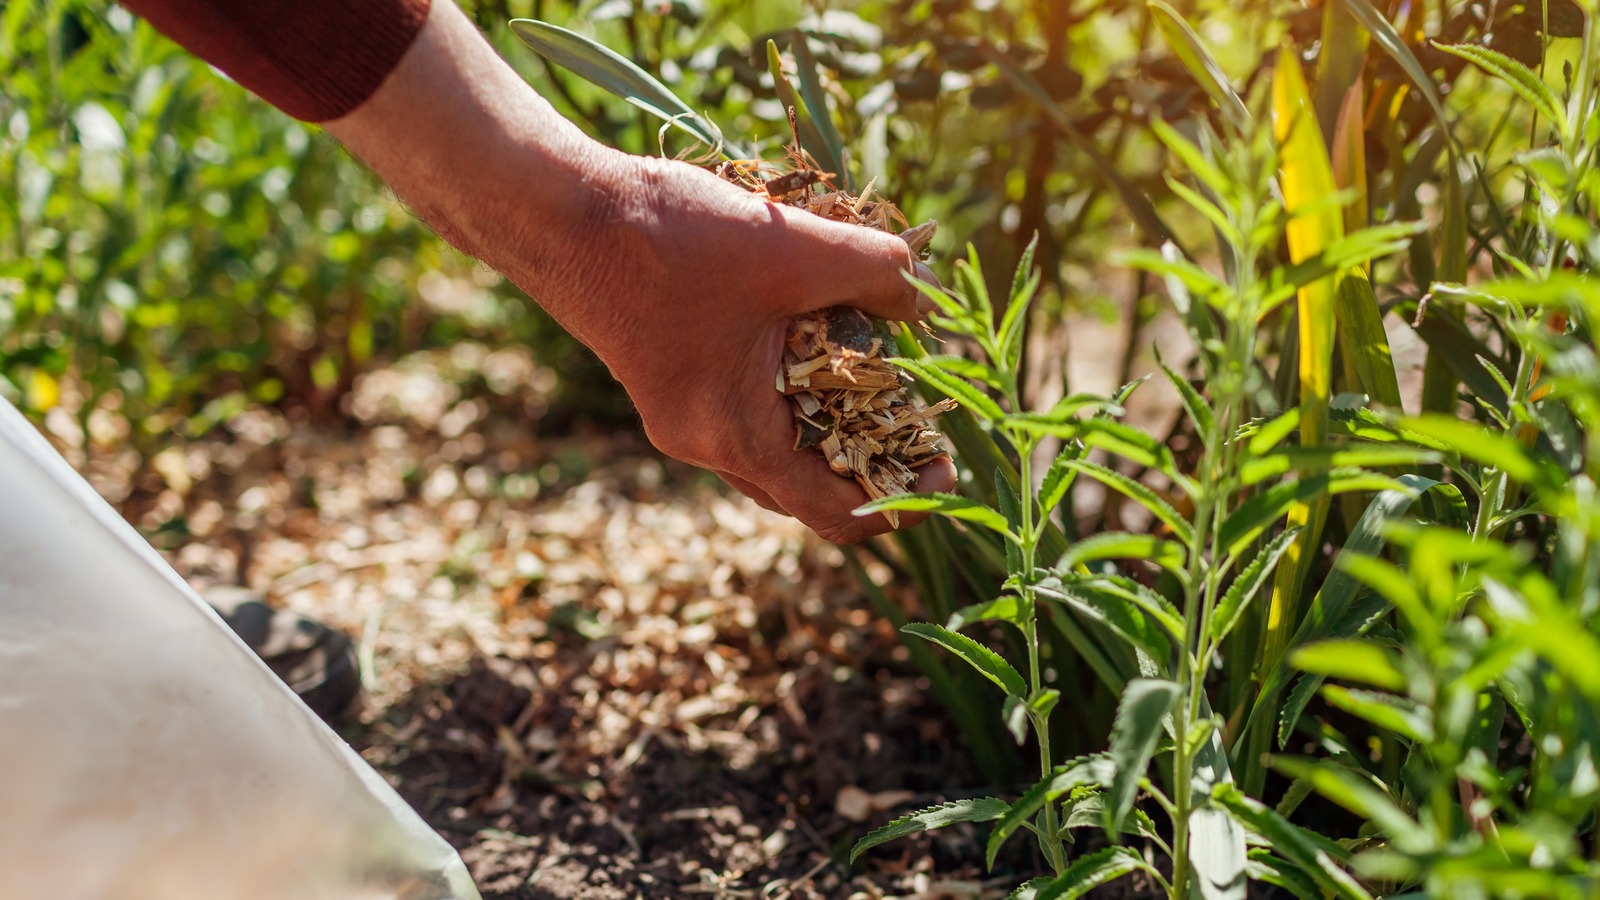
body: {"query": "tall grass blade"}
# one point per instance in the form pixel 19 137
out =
pixel 1393 44
pixel 811 140
pixel 1339 63
pixel 1307 181
pixel 805 69
pixel 1186 46
pixel 599 64
pixel 1350 158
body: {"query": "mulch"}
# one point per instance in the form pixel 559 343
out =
pixel 598 673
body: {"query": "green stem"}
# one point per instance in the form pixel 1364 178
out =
pixel 1050 841
pixel 1205 565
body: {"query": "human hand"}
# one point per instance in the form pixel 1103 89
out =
pixel 687 294
pixel 683 284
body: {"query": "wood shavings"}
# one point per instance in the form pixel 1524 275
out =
pixel 849 401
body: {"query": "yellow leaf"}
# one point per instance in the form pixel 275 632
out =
pixel 1307 182
pixel 44 392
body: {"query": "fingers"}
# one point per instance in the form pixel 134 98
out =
pixel 762 498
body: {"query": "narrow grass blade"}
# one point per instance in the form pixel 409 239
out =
pixel 805 128
pixel 1090 770
pixel 597 63
pixel 1307 181
pixel 1339 64
pixel 1393 44
pixel 805 68
pixel 1186 46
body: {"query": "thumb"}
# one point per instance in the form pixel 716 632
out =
pixel 852 265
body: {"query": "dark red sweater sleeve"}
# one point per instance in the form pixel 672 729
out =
pixel 314 59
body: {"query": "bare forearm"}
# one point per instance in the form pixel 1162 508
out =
pixel 480 156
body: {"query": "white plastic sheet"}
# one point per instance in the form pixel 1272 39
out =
pixel 145 753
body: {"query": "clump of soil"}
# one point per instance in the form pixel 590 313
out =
pixel 849 401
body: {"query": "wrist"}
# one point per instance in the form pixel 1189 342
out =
pixel 478 154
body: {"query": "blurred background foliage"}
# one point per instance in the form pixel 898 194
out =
pixel 180 248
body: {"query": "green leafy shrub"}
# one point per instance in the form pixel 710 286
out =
pixel 174 248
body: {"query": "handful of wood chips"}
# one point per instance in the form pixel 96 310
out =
pixel 849 402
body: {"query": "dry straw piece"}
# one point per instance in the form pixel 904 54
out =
pixel 848 401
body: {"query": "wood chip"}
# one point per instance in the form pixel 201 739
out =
pixel 850 403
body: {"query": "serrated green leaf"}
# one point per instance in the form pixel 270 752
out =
pixel 1174 268
pixel 1247 585
pixel 1087 873
pixel 1089 811
pixel 1145 704
pixel 968 368
pixel 1057 480
pixel 1515 75
pixel 1477 443
pixel 1123 545
pixel 1394 714
pixel 1361 796
pixel 1312 853
pixel 991 664
pixel 1272 432
pixel 982 809
pixel 973 286
pixel 1128 613
pixel 1139 493
pixel 1321 459
pixel 940 504
pixel 1195 405
pixel 1006 608
pixel 1088 770
pixel 1227 232
pixel 1014 322
pixel 953 386
pixel 1255 515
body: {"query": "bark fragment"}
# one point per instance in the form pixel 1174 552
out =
pixel 849 402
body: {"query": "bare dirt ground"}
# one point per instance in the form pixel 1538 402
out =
pixel 596 672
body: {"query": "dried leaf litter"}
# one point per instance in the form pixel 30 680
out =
pixel 849 402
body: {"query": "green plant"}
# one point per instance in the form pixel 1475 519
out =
pixel 1493 603
pixel 1216 557
pixel 172 249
